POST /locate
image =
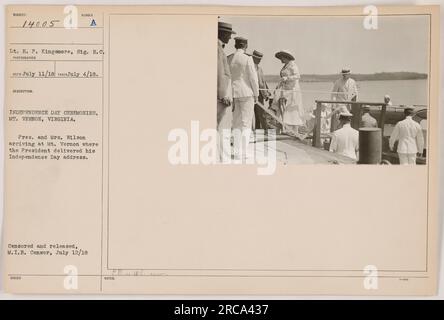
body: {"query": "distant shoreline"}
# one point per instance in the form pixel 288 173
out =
pixel 381 76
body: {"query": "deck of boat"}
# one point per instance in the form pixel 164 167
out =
pixel 290 150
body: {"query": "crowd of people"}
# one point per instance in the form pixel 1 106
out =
pixel 242 92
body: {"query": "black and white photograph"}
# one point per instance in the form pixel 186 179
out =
pixel 323 89
pixel 295 157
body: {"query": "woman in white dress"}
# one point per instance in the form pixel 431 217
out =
pixel 288 99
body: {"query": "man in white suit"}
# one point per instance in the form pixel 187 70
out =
pixel 410 139
pixel 345 141
pixel 245 94
pixel 224 94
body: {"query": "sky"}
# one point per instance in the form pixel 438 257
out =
pixel 324 45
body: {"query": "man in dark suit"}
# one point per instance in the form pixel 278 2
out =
pixel 259 113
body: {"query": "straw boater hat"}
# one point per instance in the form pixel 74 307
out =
pixel 284 54
pixel 345 71
pixel 224 26
pixel 257 54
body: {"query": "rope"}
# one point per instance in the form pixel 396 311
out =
pixel 270 113
pixel 330 92
pixel 314 91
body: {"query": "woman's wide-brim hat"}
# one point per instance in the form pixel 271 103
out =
pixel 284 54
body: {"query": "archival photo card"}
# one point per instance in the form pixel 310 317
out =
pixel 221 150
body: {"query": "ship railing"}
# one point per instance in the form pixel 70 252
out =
pixel 355 107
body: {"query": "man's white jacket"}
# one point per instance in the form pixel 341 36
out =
pixel 243 75
pixel 409 135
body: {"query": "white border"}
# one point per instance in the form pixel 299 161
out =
pixel 440 296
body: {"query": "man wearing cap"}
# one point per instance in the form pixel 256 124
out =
pixel 410 139
pixel 259 113
pixel 344 89
pixel 245 94
pixel 367 121
pixel 224 94
pixel 345 141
